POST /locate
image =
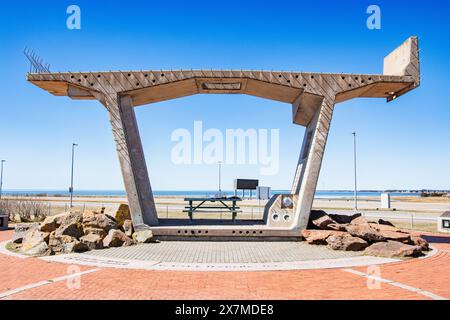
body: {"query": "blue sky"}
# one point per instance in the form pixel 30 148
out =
pixel 403 144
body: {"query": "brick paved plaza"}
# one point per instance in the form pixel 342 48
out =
pixel 33 278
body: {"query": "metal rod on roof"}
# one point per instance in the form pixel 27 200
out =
pixel 37 64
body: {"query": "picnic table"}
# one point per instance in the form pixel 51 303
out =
pixel 203 205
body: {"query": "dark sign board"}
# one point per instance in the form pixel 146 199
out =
pixel 245 184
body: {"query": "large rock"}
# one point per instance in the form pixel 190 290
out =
pixel 344 219
pixel 323 222
pixel 100 232
pixel 56 242
pixel 386 223
pixel 75 247
pixel 39 250
pixel 359 221
pixel 383 227
pixel 117 238
pixel 99 221
pixel 319 236
pixel 396 236
pixel 393 249
pixel 421 242
pixel 346 242
pixel 143 236
pixel 365 231
pixel 74 230
pixel 92 241
pixel 49 224
pixel 21 230
pixel 122 214
pixel 128 227
pixel 337 226
pixel 70 218
pixel 33 241
pixel 65 244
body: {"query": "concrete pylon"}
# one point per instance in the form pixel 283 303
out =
pixel 132 163
pixel 316 135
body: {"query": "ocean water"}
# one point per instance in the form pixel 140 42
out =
pixel 201 193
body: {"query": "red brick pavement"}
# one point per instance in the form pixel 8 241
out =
pixel 429 274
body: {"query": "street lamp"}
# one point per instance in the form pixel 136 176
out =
pixel 354 161
pixel 1 177
pixel 71 175
pixel 220 178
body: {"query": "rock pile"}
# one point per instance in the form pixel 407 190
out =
pixel 355 233
pixel 79 232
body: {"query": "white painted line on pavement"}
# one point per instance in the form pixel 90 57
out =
pixel 396 284
pixel 44 282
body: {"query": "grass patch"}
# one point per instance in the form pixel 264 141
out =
pixel 13 247
pixel 418 226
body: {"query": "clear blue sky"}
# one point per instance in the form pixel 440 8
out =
pixel 404 144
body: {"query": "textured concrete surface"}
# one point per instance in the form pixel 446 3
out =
pixel 223 252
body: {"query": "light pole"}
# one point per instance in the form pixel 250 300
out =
pixel 354 160
pixel 1 177
pixel 220 178
pixel 71 174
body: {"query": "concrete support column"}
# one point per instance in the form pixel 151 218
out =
pixel 132 162
pixel 310 162
pixel 306 146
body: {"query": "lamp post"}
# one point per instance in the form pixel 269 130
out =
pixel 220 178
pixel 71 174
pixel 1 177
pixel 354 161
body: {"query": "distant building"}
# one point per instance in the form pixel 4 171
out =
pixel 444 222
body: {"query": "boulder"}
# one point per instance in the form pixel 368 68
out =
pixel 117 238
pixel 88 216
pixel 56 242
pixel 364 231
pixel 346 242
pixel 319 236
pixel 396 236
pixel 393 249
pixel 128 227
pixel 49 224
pixel 92 241
pixel 337 226
pixel 359 221
pixel 344 219
pixel 323 222
pixel 122 214
pixel 21 230
pixel 70 218
pixel 74 229
pixel 385 223
pixel 143 236
pixel 32 242
pixel 99 221
pixel 100 232
pixel 39 250
pixel 383 227
pixel 421 242
pixel 75 247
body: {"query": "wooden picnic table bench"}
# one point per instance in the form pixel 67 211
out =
pixel 230 204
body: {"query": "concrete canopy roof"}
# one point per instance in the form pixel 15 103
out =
pixel 153 86
pixel 401 74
